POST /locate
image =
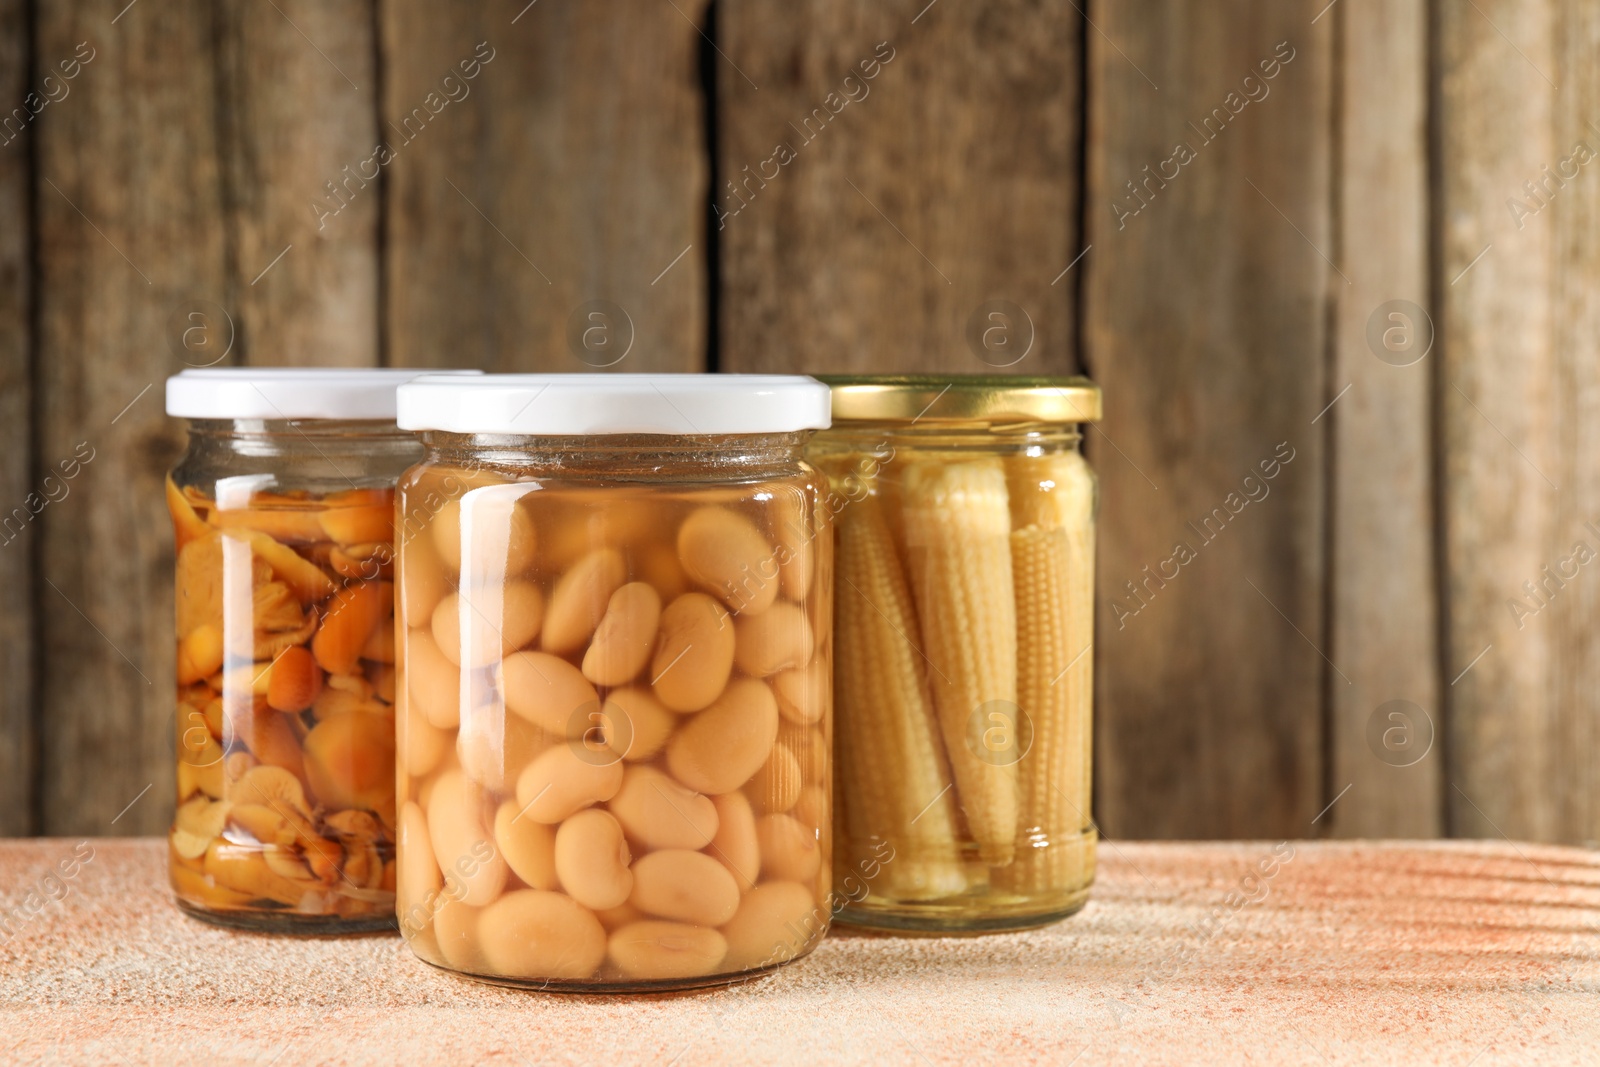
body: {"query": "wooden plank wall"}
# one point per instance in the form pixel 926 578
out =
pixel 1516 272
pixel 879 185
pixel 1206 323
pixel 16 442
pixel 837 185
pixel 292 118
pixel 568 181
pixel 1383 621
pixel 129 224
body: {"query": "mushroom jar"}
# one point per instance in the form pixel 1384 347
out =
pixel 283 509
pixel 614 712
pixel 964 520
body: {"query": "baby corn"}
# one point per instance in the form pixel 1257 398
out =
pixel 957 530
pixel 1052 508
pixel 889 751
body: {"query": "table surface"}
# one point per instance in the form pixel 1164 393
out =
pixel 1302 953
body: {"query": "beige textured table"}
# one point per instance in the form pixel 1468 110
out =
pixel 1464 953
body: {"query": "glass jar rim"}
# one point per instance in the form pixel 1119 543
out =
pixel 213 426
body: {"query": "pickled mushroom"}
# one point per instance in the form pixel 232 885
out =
pixel 285 715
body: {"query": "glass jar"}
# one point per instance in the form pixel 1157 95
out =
pixel 964 520
pixel 615 609
pixel 283 509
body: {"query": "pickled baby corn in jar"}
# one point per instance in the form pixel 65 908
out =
pixel 283 509
pixel 615 614
pixel 964 524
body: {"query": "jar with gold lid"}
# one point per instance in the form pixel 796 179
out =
pixel 615 616
pixel 964 525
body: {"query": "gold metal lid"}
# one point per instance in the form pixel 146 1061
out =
pixel 961 398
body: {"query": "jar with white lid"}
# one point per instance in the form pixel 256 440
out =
pixel 283 510
pixel 614 702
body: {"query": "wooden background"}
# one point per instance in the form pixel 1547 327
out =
pixel 625 152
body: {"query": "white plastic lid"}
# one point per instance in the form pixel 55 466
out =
pixel 555 405
pixel 287 392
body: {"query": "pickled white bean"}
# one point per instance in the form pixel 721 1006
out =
pixel 735 845
pixel 792 510
pixel 778 639
pixel 532 933
pixel 494 747
pixel 497 620
pixel 423 581
pixel 622 642
pixel 502 533
pixel 462 844
pixel 789 850
pixel 693 654
pixel 723 551
pixel 432 681
pixel 418 878
pixel 455 928
pixel 446 532
pixel 549 692
pixel 691 887
pixel 656 950
pixel 658 812
pixel 562 780
pixel 592 860
pixel 639 723
pixel 812 807
pixel 803 693
pixel 776 786
pixel 422 745
pixel 774 923
pixel 422 791
pixel 529 847
pixel 719 749
pixel 658 564
pixel 810 746
pixel 579 600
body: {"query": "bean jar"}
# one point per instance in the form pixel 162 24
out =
pixel 614 712
pixel 964 527
pixel 283 509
